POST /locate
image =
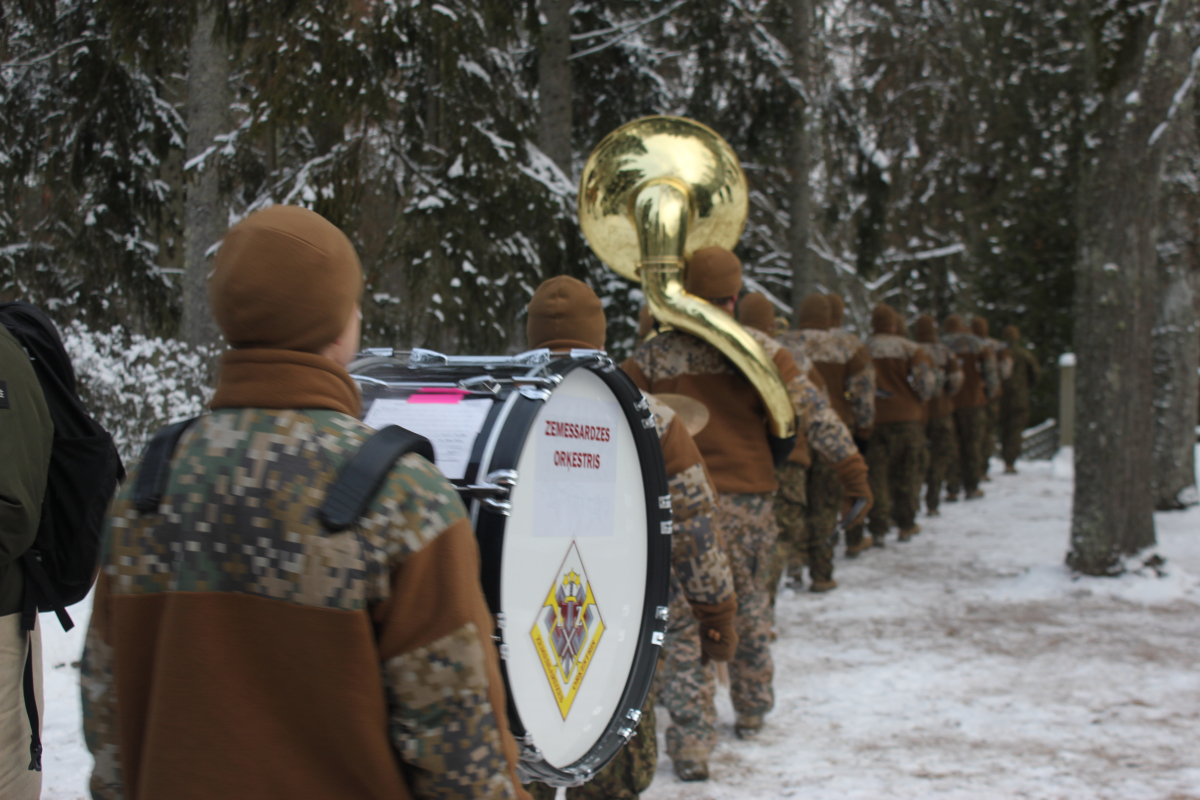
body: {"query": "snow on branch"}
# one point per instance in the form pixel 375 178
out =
pixel 1179 99
pixel 758 287
pixel 624 31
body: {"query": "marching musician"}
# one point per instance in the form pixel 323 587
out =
pixel 738 455
pixel 237 649
pixel 565 314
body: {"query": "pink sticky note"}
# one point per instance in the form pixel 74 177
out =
pixel 438 395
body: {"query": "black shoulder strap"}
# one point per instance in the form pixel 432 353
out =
pixel 360 479
pixel 156 466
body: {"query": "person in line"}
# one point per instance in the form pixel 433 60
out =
pixel 905 380
pixel 26 434
pixel 849 379
pixel 737 452
pixel 939 427
pixel 1014 406
pixel 864 408
pixel 565 314
pixel 981 380
pixel 1004 364
pixel 237 649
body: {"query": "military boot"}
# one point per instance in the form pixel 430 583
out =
pixel 823 586
pixel 974 494
pixel 852 550
pixel 690 771
pixel 748 726
pixel 908 533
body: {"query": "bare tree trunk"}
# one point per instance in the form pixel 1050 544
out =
pixel 1177 329
pixel 1116 286
pixel 803 278
pixel 204 216
pixel 554 83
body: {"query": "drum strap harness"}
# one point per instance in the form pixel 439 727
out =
pixel 347 500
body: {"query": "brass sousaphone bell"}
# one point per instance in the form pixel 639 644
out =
pixel 653 192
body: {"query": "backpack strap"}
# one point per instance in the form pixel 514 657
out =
pixel 359 481
pixel 156 466
pixel 28 688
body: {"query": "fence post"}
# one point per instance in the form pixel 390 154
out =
pixel 1066 400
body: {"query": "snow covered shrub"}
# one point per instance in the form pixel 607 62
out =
pixel 134 384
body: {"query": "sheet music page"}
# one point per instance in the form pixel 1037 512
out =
pixel 450 427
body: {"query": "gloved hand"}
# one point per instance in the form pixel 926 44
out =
pixel 852 474
pixel 718 639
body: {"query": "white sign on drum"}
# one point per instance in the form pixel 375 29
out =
pixel 577 467
pixel 615 568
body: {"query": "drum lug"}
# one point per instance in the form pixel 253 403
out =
pixel 497 485
pixel 648 422
pixel 667 527
pixel 634 714
pixel 534 393
pixel 661 613
pixel 503 651
pixel 626 733
pixel 664 502
pixel 501 507
pixel 480 383
pixel 502 620
pixel 657 637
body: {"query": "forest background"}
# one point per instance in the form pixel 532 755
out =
pixel 939 155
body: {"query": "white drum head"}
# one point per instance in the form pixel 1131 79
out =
pixel 573 572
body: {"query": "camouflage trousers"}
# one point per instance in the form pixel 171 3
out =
pixel 1013 420
pixel 791 509
pixel 987 445
pixel 923 459
pixel 891 460
pixel 824 505
pixel 942 445
pixel 969 424
pixel 748 532
pixel 686 688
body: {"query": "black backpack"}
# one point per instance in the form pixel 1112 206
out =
pixel 85 468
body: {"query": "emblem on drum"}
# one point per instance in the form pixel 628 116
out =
pixel 567 629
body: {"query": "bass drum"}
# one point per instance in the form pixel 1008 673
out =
pixel 560 466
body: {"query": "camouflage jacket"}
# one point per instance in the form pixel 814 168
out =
pixel 905 378
pixel 237 649
pixel 700 571
pixel 845 365
pixel 981 374
pixel 734 443
pixel 949 377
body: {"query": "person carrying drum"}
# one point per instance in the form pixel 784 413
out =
pixel 237 649
pixel 566 314
pixel 738 455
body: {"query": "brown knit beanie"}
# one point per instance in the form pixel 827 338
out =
pixel 884 319
pixel 285 278
pixel 925 329
pixel 979 326
pixel 814 313
pixel 755 311
pixel 1011 333
pixel 954 324
pixel 565 309
pixel 713 273
pixel 837 310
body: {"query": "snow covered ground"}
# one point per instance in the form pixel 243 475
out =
pixel 964 664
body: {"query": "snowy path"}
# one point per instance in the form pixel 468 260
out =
pixel 963 664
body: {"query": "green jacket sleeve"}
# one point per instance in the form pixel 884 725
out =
pixel 25 439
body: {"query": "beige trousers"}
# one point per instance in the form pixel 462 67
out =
pixel 17 782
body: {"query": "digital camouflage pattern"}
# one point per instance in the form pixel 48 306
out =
pixel 748 528
pixel 991 429
pixel 970 344
pixel 969 426
pixel 941 443
pixel 831 347
pixel 922 376
pixel 791 509
pixel 824 505
pixel 686 688
pixel 674 353
pixel 893 459
pixel 442 724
